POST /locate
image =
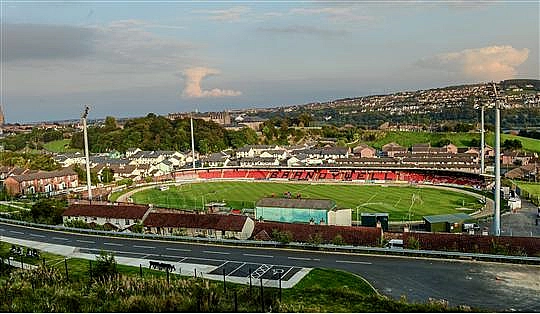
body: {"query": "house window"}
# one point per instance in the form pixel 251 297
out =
pixel 127 221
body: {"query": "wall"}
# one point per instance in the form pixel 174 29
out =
pixel 475 243
pixel 291 215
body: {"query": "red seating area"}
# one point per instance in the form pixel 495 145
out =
pixel 257 174
pixel 209 174
pixel 236 174
pixel 330 175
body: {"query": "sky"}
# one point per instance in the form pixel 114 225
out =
pixel 129 58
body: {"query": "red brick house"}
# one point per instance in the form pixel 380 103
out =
pixel 41 182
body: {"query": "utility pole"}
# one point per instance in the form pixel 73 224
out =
pixel 192 141
pixel 86 154
pixel 497 214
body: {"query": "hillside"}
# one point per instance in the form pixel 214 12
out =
pixel 459 139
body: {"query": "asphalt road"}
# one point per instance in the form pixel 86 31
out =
pixel 491 286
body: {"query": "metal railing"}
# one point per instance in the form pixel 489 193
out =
pixel 293 245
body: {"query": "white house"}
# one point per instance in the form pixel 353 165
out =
pixel 210 225
pixel 119 217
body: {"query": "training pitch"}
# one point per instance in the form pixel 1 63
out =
pixel 401 202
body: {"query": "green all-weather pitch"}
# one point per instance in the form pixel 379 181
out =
pixel 401 202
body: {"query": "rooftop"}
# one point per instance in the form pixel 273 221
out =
pixel 296 203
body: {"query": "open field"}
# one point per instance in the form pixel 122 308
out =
pixel 398 201
pixel 60 146
pixel 531 187
pixel 459 139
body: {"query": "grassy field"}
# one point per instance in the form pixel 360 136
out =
pixel 60 146
pixel 459 139
pixel 532 188
pixel 398 201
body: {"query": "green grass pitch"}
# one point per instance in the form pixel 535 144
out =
pixel 401 202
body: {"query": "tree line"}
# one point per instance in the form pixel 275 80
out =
pixel 155 132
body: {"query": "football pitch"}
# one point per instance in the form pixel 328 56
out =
pixel 401 202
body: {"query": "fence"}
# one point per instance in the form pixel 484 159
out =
pixel 292 245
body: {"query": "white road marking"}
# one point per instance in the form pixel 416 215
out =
pixel 36 235
pixel 181 250
pixel 354 262
pixel 17 232
pixel 113 244
pixel 63 239
pixel 237 268
pixel 144 247
pixel 84 241
pixel 215 252
pixel 258 255
pixel 300 258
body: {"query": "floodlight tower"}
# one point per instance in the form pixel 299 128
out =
pixel 482 140
pixel 86 154
pixel 497 214
pixel 192 141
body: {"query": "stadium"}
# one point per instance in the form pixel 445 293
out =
pixel 405 194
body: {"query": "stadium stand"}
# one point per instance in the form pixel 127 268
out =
pixel 332 174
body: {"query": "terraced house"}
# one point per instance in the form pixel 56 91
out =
pixel 52 182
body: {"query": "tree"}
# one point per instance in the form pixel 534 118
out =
pixel 305 119
pixel 107 175
pixel 110 124
pixel 474 142
pixel 105 268
pixel 48 211
pixel 442 142
pixel 512 144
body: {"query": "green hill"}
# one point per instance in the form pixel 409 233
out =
pixel 459 139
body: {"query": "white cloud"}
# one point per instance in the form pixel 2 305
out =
pixel 226 15
pixel 192 84
pixel 336 14
pixel 487 63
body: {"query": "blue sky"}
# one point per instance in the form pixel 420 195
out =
pixel 128 59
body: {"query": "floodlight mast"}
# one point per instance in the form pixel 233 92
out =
pixel 86 154
pixel 482 142
pixel 497 214
pixel 192 141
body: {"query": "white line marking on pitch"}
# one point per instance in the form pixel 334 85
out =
pixel 113 244
pixel 144 247
pixel 300 258
pixel 181 250
pixel 215 252
pixel 84 241
pixel 63 239
pixel 258 255
pixel 17 232
pixel 36 235
pixel 354 262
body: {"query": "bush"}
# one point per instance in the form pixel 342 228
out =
pixel 282 236
pixel 413 243
pixel 338 240
pixel 105 268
